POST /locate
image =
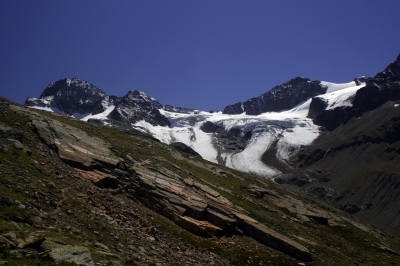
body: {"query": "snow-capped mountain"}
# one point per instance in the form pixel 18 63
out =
pixel 281 97
pixel 238 140
pixel 64 95
pixel 80 99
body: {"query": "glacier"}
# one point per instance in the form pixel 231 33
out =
pixel 285 132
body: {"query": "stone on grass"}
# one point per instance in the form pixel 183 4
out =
pixel 78 254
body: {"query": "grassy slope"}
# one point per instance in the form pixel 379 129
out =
pixel 22 175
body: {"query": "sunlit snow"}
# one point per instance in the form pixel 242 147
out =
pixel 288 129
pixel 101 116
pixel 340 98
pixel 337 86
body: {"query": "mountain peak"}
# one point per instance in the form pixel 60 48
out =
pixel 72 83
pixel 281 97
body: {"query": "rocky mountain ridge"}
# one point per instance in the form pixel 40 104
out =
pixel 281 97
pixel 78 97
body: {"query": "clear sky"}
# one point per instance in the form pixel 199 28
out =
pixel 201 54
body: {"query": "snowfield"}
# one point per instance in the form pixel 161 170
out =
pixel 289 130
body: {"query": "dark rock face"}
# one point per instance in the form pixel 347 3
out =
pixel 333 118
pixel 184 148
pixel 181 110
pixel 350 208
pixel 372 96
pixel 292 179
pixel 234 139
pixel 361 80
pixel 209 127
pixel 317 107
pixel 282 97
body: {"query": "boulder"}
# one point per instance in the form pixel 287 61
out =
pixel 78 254
pixel 272 238
pixel 6 201
pixel 5 241
pixel 101 246
pixel 74 146
pixel 17 144
pixel 10 133
pixel 201 228
pixel 49 243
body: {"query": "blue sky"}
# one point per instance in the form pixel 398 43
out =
pixel 199 54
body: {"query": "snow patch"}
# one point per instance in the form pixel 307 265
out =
pixel 49 109
pixel 101 116
pixel 340 98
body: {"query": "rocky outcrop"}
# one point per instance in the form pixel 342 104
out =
pixel 71 144
pixel 11 133
pixel 271 238
pixel 234 139
pixel 74 146
pixel 317 106
pixel 57 251
pixel 181 110
pixel 184 148
pixel 361 80
pixel 282 97
pixel 203 211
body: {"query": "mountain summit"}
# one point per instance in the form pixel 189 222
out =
pixel 71 96
pixel 279 98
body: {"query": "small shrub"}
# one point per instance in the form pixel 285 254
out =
pixel 5 250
